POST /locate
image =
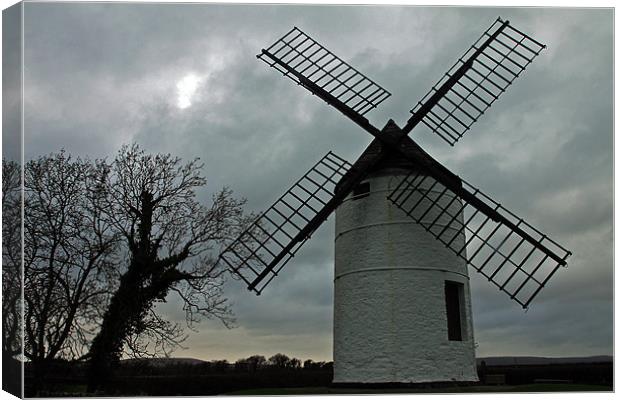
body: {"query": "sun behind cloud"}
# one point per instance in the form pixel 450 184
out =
pixel 186 88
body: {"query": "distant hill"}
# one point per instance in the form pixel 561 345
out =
pixel 491 361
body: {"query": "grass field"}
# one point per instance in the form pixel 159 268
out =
pixel 532 388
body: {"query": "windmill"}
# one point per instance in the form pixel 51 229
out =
pixel 406 226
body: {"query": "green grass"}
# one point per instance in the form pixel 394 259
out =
pixel 539 387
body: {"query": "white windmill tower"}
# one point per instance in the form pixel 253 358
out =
pixel 406 227
pixel 398 291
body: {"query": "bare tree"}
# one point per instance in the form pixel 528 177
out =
pixel 11 258
pixel 11 276
pixel 154 337
pixel 170 239
pixel 70 257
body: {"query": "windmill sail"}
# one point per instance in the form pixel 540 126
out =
pixel 512 254
pixel 308 63
pixel 475 81
pixel 509 252
pixel 263 249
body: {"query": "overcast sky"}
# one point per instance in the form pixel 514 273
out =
pixel 184 79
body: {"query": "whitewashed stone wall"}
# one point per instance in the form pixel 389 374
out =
pixel 389 306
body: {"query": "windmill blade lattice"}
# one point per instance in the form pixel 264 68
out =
pixel 518 261
pixel 482 74
pixel 263 249
pixel 302 59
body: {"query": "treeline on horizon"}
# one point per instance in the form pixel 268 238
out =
pixel 174 366
pixel 278 360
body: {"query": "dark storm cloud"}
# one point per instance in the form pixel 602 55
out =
pixel 98 75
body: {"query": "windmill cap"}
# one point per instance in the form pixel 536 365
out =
pixel 393 159
pixel 391 125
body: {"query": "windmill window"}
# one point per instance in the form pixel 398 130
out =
pixel 361 190
pixel 454 309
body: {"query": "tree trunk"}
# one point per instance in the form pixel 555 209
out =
pixel 106 348
pixel 128 304
pixel 146 279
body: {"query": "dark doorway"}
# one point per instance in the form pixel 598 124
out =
pixel 454 303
